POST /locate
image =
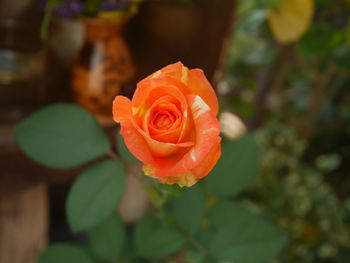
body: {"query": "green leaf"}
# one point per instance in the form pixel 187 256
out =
pixel 291 20
pixel 328 163
pixel 225 212
pixel 188 209
pixel 319 40
pixel 204 236
pixel 95 195
pixel 60 253
pixel 250 21
pixel 129 254
pixel 169 189
pixel 246 239
pixel 341 56
pixel 237 167
pixel 91 7
pixel 152 239
pixel 252 50
pixel 269 4
pixel 194 257
pixel 107 238
pixel 62 136
pixel 124 152
pixel 347 32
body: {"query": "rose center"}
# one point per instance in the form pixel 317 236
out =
pixel 163 120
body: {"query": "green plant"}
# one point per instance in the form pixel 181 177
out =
pixel 297 197
pixel 295 93
pixel 205 223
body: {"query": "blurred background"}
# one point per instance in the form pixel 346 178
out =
pixel 280 68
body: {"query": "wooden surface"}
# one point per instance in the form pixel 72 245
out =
pixel 23 224
pixel 195 34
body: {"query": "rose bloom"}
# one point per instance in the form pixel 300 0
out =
pixel 171 126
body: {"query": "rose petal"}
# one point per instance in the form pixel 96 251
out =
pixel 190 178
pixel 121 109
pixel 188 81
pixel 149 90
pixel 209 162
pixel 156 95
pixel 161 149
pixel 167 106
pixel 136 143
pixel 168 136
pixel 200 86
pixel 176 70
pixel 207 131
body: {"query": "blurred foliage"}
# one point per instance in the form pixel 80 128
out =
pixel 296 196
pixel 296 95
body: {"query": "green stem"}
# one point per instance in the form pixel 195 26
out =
pixel 112 155
pixel 49 8
pixel 91 7
pixel 158 200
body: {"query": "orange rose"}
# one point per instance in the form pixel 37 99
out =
pixel 171 126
